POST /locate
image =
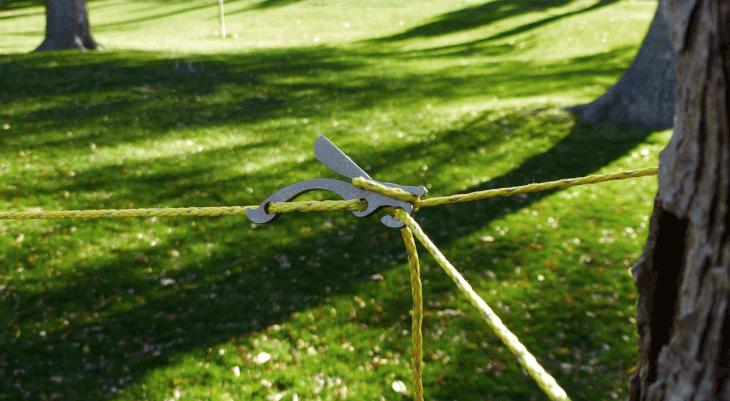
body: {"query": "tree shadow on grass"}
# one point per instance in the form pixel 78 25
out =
pixel 549 20
pixel 159 15
pixel 263 5
pixel 17 15
pixel 19 4
pixel 485 46
pixel 157 94
pixel 15 8
pixel 475 17
pixel 273 4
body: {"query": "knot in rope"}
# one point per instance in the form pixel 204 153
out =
pixel 397 193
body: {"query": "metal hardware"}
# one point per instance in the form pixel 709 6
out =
pixel 331 156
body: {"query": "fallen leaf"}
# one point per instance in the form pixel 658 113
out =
pixel 399 387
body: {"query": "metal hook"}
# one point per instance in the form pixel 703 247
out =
pixel 332 157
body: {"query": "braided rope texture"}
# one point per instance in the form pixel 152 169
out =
pixel 544 186
pixel 274 207
pixel 126 213
pixel 546 382
pixel 312 206
pixel 396 193
pixel 416 335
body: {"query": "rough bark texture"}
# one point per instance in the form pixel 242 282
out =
pixel 683 274
pixel 644 96
pixel 67 26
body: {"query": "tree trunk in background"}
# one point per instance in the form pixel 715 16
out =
pixel 644 96
pixel 683 274
pixel 67 26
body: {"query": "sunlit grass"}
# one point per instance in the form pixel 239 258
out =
pixel 457 96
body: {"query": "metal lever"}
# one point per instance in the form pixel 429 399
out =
pixel 336 160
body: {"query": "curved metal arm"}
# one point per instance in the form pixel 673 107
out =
pixel 336 160
pixel 346 190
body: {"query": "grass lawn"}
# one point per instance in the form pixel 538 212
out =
pixel 455 95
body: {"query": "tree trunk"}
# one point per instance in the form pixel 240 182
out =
pixel 683 274
pixel 644 96
pixel 67 26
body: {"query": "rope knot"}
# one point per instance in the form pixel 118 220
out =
pixel 397 193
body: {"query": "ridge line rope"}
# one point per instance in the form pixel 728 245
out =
pixel 543 186
pixel 546 382
pixel 212 211
pixel 329 205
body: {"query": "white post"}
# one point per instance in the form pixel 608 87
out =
pixel 223 25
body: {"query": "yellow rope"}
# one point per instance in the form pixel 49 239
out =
pixel 126 213
pixel 491 193
pixel 546 382
pixel 311 206
pixel 275 207
pixel 417 321
pixel 396 193
pixel 317 206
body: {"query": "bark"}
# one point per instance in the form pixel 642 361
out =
pixel 67 26
pixel 644 96
pixel 683 274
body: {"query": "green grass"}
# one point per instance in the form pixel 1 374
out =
pixel 458 96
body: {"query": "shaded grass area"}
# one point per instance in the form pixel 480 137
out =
pixel 315 305
pixel 19 4
pixel 158 93
pixel 477 16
